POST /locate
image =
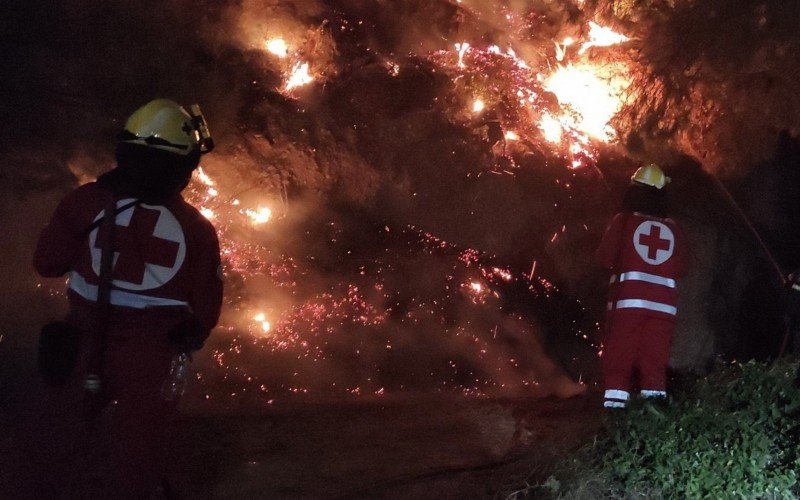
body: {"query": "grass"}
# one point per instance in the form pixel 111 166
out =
pixel 732 434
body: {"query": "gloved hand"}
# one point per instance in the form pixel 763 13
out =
pixel 188 335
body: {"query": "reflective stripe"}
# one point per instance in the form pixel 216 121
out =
pixel 649 278
pixel 617 394
pixel 646 304
pixel 78 284
pixel 653 394
pixel 796 286
pixel 614 404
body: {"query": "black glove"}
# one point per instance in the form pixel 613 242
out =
pixel 188 335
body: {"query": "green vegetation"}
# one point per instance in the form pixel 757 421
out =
pixel 733 434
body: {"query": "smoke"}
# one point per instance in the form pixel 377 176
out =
pixel 715 79
pixel 379 138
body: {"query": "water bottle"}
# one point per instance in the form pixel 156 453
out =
pixel 175 384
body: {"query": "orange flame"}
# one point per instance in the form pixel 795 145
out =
pixel 259 216
pixel 278 47
pixel 593 100
pixel 600 36
pixel 299 76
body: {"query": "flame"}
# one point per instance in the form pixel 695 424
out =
pixel 476 287
pixel 601 36
pixel 478 106
pixel 261 319
pixel 462 49
pixel 278 47
pixel 298 77
pixel 561 49
pixel 551 128
pixel 207 213
pixel 511 136
pixel 204 178
pixel 593 100
pixel 259 216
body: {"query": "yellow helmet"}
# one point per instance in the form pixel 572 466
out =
pixel 164 124
pixel 651 175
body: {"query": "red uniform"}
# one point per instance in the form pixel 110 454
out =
pixel 646 255
pixel 166 267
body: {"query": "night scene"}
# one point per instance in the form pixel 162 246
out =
pixel 405 249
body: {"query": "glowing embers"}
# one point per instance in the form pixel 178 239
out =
pixel 478 292
pixel 591 100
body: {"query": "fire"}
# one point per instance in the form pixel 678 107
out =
pixel 551 128
pixel 593 100
pixel 600 36
pixel 561 49
pixel 462 49
pixel 298 77
pixel 204 178
pixel 511 136
pixel 207 213
pixel 259 216
pixel 478 106
pixel 261 319
pixel 278 47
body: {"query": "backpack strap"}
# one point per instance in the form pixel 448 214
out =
pixel 98 337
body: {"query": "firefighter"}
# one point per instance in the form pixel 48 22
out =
pixel 164 281
pixel 645 251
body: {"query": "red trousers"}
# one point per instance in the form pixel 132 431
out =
pixel 124 457
pixel 640 342
pixel 137 363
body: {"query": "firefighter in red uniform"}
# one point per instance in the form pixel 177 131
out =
pixel 165 281
pixel 645 250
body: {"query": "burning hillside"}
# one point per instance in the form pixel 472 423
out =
pixel 400 186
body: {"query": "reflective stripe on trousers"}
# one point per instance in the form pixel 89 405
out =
pixel 646 304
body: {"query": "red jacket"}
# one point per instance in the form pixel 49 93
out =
pixel 646 255
pixel 166 263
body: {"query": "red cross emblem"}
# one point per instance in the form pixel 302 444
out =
pixel 149 247
pixel 654 242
